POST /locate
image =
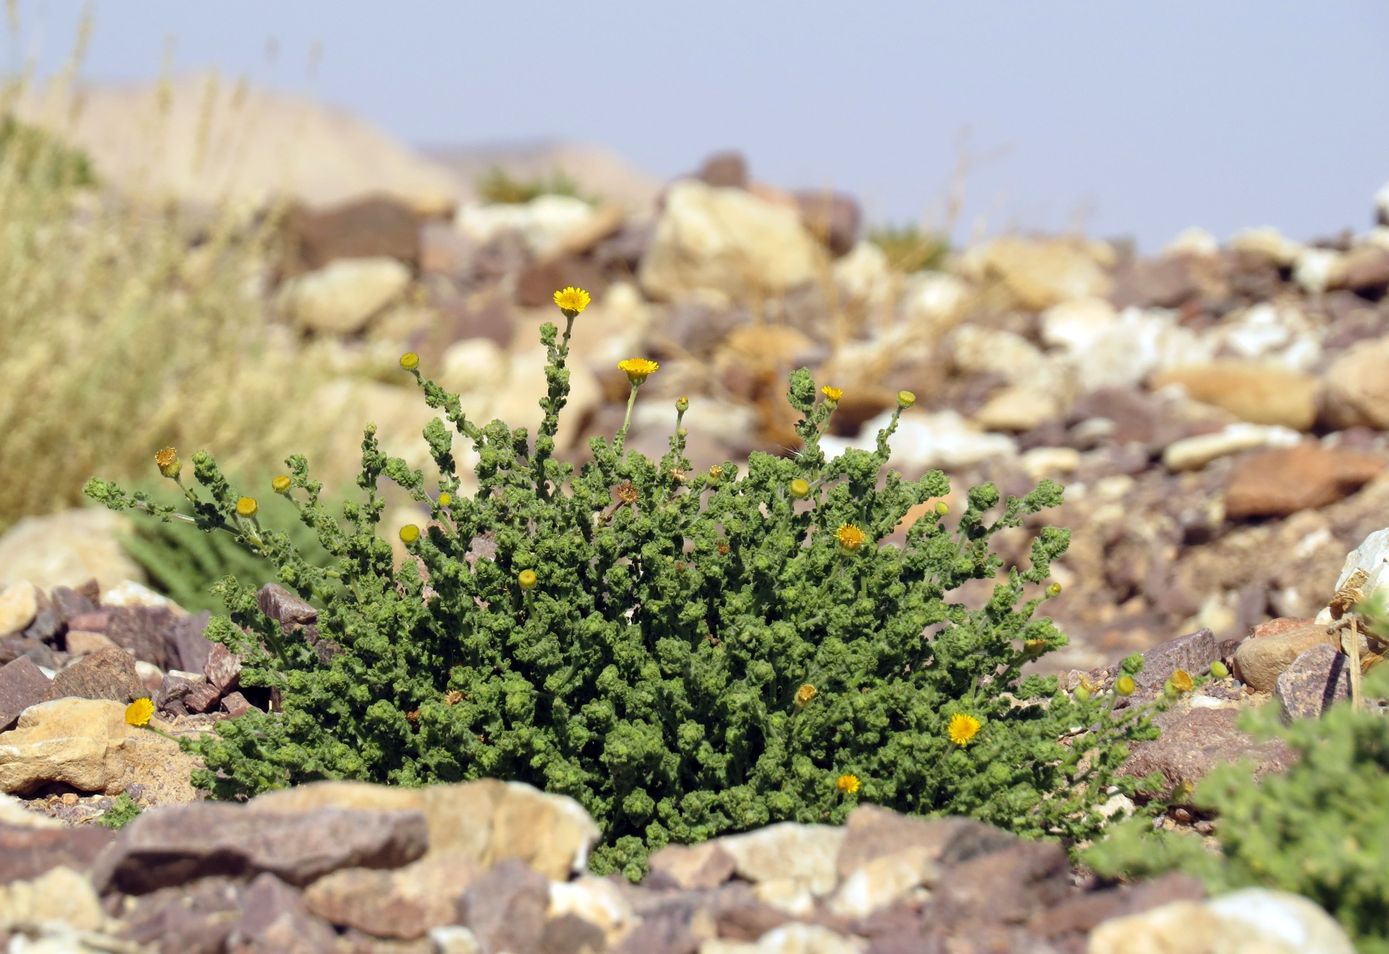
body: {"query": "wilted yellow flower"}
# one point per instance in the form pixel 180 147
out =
pixel 139 712
pixel 638 369
pixel 963 728
pixel 167 461
pixel 804 694
pixel 280 484
pixel 409 361
pixel 831 394
pixel 247 506
pixel 409 533
pixel 1182 680
pixel 527 579
pixel 850 537
pixel 906 398
pixel 799 488
pixel 715 472
pixel 572 301
pixel 848 784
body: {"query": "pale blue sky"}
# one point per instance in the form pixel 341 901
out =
pixel 1141 118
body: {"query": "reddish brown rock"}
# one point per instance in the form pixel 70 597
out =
pixel 372 227
pixel 26 853
pixel 1314 681
pixel 1272 647
pixel 505 908
pixel 104 674
pixel 22 684
pixel 1277 483
pixel 1194 741
pixel 274 920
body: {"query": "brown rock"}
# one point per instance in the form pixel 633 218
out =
pixel 1271 649
pixel 1280 482
pixel 141 629
pixel 536 285
pixel 186 645
pixel 80 642
pixel 505 907
pixel 22 684
pixel 104 674
pixel 372 227
pixel 705 865
pixel 728 170
pixel 223 669
pixel 274 920
pixel 26 853
pixel 1366 270
pixel 1356 388
pixel 832 217
pixel 236 705
pixel 191 919
pixel 181 843
pixel 1036 874
pixel 1258 393
pixel 404 903
pixel 873 832
pixel 284 607
pixel 1194 741
pixel 1314 681
pixel 1166 282
pixel 1075 917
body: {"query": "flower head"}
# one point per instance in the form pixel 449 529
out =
pixel 832 395
pixel 527 579
pixel 848 784
pixel 1181 680
pixel 139 712
pixel 1125 685
pixel 942 508
pixel 246 506
pixel 715 472
pixel 804 694
pixel 963 728
pixel 682 404
pixel 572 301
pixel 638 369
pixel 280 483
pixel 445 499
pixel 850 537
pixel 409 361
pixel 1054 589
pixel 167 461
pixel 799 488
pixel 906 398
pixel 409 533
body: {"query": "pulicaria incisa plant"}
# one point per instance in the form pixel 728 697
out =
pixel 686 654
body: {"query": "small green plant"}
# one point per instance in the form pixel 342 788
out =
pixel 499 186
pixel 686 654
pixel 909 249
pixel 1317 830
pixel 122 812
pixel 38 157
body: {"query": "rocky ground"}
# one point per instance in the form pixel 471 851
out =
pixel 1216 412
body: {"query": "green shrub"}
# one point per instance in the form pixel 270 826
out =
pixel 1318 830
pixel 122 812
pixel 685 654
pixel 30 153
pixel 499 186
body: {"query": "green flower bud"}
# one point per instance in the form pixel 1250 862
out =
pixel 1219 670
pixel 682 404
pixel 906 398
pixel 409 361
pixel 527 579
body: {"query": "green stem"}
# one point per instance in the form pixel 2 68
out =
pixel 627 418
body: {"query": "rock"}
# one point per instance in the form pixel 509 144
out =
pixel 342 297
pixel 705 865
pixel 505 907
pixel 1139 343
pixel 791 939
pixel 1077 324
pixel 724 170
pixel 485 821
pixel 19 604
pixel 474 366
pixel 1018 408
pixel 1356 389
pixel 142 631
pixel 59 894
pixel 1281 336
pixel 864 278
pixel 976 349
pixel 67 548
pixel 179 843
pixel 1269 244
pixel 1281 482
pixel 1193 453
pixel 884 881
pixel 235 705
pixel 1166 282
pixel 1272 647
pixel 1314 681
pixel 80 642
pixel 375 226
pixel 404 903
pixel 537 282
pixel 1249 921
pixel 921 443
pixel 86 744
pixel 543 224
pixel 104 674
pixel 1371 556
pixel 223 669
pixel 132 594
pixel 30 852
pixel 804 854
pixel 1040 273
pixel 1318 269
pixel 1367 270
pixel 1193 652
pixel 1256 393
pixel 832 217
pixel 1195 740
pixel 594 901
pixel 968 895
pixel 274 920
pixel 193 918
pixel 175 689
pixel 1196 242
pixel 70 602
pixel 727 241
pixel 22 684
pixel 933 303
pixel 185 646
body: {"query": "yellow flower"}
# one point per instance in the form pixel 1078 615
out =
pixel 831 394
pixel 572 301
pixel 799 488
pixel 280 484
pixel 167 461
pixel 1125 685
pixel 409 533
pixel 1182 680
pixel 715 472
pixel 247 506
pixel 445 499
pixel 963 728
pixel 527 579
pixel 906 398
pixel 942 507
pixel 850 537
pixel 409 361
pixel 848 784
pixel 139 712
pixel 804 694
pixel 638 369
pixel 1054 589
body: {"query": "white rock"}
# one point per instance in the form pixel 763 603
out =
pixel 13 812
pixel 1140 342
pixel 1249 921
pixel 805 854
pixel 1377 237
pixel 58 895
pixel 1017 408
pixel 1193 453
pixel 933 303
pixel 19 604
pixel 1050 462
pixel 473 366
pixel 864 277
pixel 790 939
pixel 1280 335
pixel 1268 242
pixel 1372 556
pixel 343 296
pixel 543 223
pixel 131 593
pixel 977 350
pixel 1282 917
pixel 454 939
pixel 1316 268
pixel 943 439
pixel 1193 241
pixel 595 900
pixel 729 241
pixel 67 549
pixel 1076 325
pixel 883 881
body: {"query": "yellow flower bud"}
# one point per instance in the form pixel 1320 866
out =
pixel 246 506
pixel 445 499
pixel 715 472
pixel 1125 685
pixel 906 398
pixel 527 579
pixel 942 508
pixel 1054 589
pixel 799 488
pixel 409 361
pixel 804 694
pixel 409 533
pixel 1219 670
pixel 280 484
pixel 168 463
pixel 682 404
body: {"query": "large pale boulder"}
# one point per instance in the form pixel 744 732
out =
pixel 1357 389
pixel 87 745
pixel 342 296
pixel 67 548
pixel 729 241
pixel 545 223
pixel 1038 273
pixel 1254 392
pixel 1249 921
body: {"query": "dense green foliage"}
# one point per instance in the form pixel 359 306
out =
pixel 184 566
pixel 122 812
pixel 1318 830
pixel 645 639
